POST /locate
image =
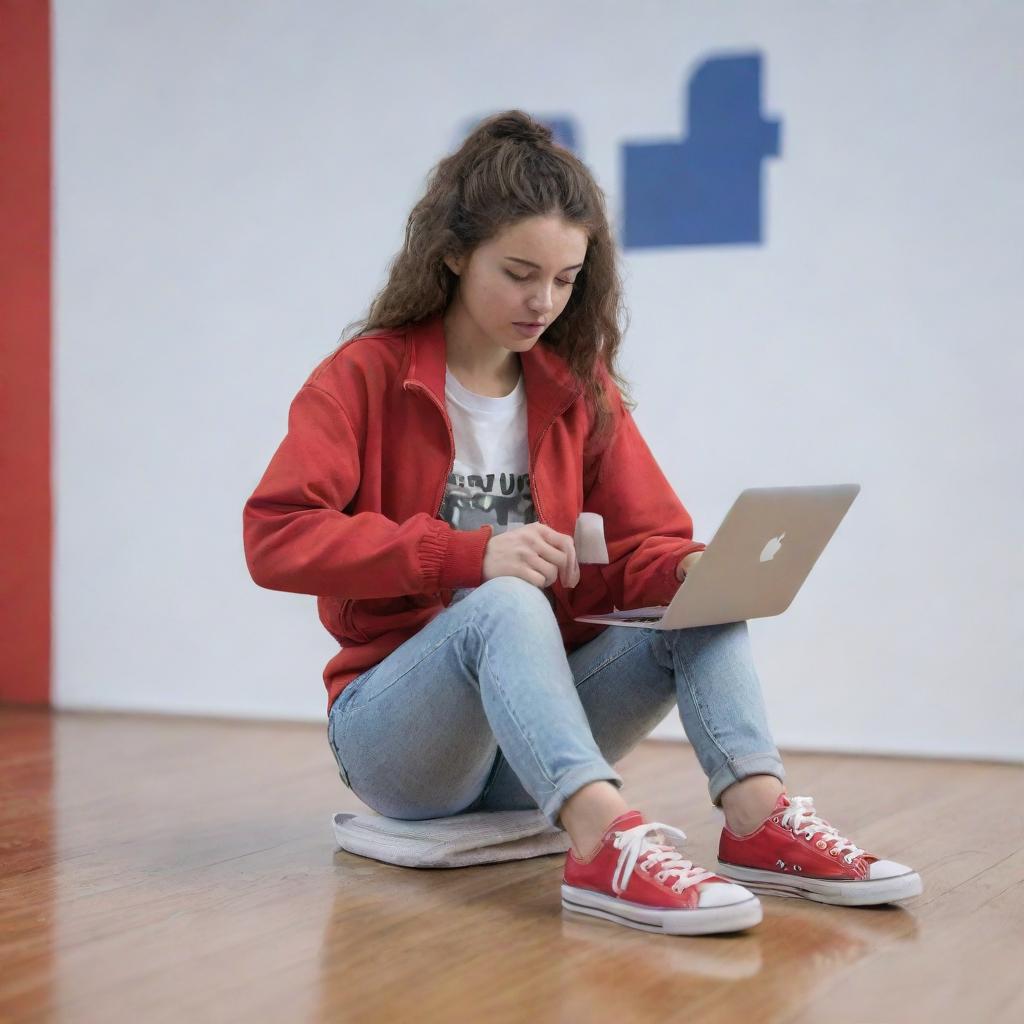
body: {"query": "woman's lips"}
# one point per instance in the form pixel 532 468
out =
pixel 528 330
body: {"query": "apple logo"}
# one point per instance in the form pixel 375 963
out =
pixel 771 549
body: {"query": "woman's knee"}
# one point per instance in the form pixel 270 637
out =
pixel 511 598
pixel 511 588
pixel 715 633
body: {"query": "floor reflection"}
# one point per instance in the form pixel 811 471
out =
pixel 490 943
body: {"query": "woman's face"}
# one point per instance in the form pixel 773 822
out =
pixel 524 275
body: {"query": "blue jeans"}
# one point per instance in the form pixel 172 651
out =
pixel 482 709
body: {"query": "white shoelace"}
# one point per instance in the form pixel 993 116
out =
pixel 802 818
pixel 634 844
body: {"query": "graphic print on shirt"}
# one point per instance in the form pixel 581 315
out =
pixel 489 484
pixel 499 500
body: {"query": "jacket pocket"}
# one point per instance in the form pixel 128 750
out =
pixel 346 622
pixel 362 620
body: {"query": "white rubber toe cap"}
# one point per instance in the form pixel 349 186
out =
pixel 722 894
pixel 887 869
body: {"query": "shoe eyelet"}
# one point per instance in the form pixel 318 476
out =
pixel 820 845
pixel 776 820
pixel 832 852
pixel 848 860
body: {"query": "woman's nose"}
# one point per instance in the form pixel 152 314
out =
pixel 542 302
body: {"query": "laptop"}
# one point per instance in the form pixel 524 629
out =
pixel 756 562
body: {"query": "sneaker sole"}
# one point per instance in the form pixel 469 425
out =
pixel 699 921
pixel 839 893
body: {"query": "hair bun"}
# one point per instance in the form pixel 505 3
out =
pixel 519 126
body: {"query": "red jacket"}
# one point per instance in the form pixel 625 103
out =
pixel 348 508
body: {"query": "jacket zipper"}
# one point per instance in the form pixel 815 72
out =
pixel 533 459
pixel 533 480
pixel 451 437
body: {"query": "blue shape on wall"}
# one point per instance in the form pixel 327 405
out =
pixel 705 190
pixel 564 130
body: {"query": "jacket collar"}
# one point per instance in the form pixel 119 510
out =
pixel 547 379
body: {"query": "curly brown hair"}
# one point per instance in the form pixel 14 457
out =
pixel 507 169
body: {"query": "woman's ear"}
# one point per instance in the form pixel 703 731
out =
pixel 454 264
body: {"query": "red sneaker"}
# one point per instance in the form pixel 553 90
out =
pixel 695 902
pixel 796 853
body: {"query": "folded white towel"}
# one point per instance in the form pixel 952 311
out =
pixel 588 539
pixel 482 837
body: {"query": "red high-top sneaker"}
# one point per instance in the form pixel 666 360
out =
pixel 664 894
pixel 795 853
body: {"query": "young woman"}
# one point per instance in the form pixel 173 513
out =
pixel 428 492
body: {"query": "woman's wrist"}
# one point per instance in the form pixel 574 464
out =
pixel 686 563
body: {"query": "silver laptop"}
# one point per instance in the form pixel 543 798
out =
pixel 755 563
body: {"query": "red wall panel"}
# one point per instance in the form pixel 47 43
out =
pixel 25 326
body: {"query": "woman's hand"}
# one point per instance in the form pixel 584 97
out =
pixel 687 564
pixel 534 553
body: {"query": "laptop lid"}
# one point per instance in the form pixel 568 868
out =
pixel 757 560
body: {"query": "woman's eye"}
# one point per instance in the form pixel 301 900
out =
pixel 566 284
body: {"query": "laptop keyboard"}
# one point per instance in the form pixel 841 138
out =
pixel 639 618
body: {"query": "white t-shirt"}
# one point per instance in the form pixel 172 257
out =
pixel 489 484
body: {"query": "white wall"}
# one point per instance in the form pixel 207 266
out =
pixel 231 180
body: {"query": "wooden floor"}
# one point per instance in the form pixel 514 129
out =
pixel 178 869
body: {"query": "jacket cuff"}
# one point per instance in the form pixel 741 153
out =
pixel 463 562
pixel 691 546
pixel 665 583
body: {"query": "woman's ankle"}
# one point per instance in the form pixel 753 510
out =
pixel 587 814
pixel 748 802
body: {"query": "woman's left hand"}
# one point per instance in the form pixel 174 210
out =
pixel 687 564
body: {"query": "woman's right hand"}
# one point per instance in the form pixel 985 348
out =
pixel 533 552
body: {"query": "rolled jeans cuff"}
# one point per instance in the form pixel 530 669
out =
pixel 734 769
